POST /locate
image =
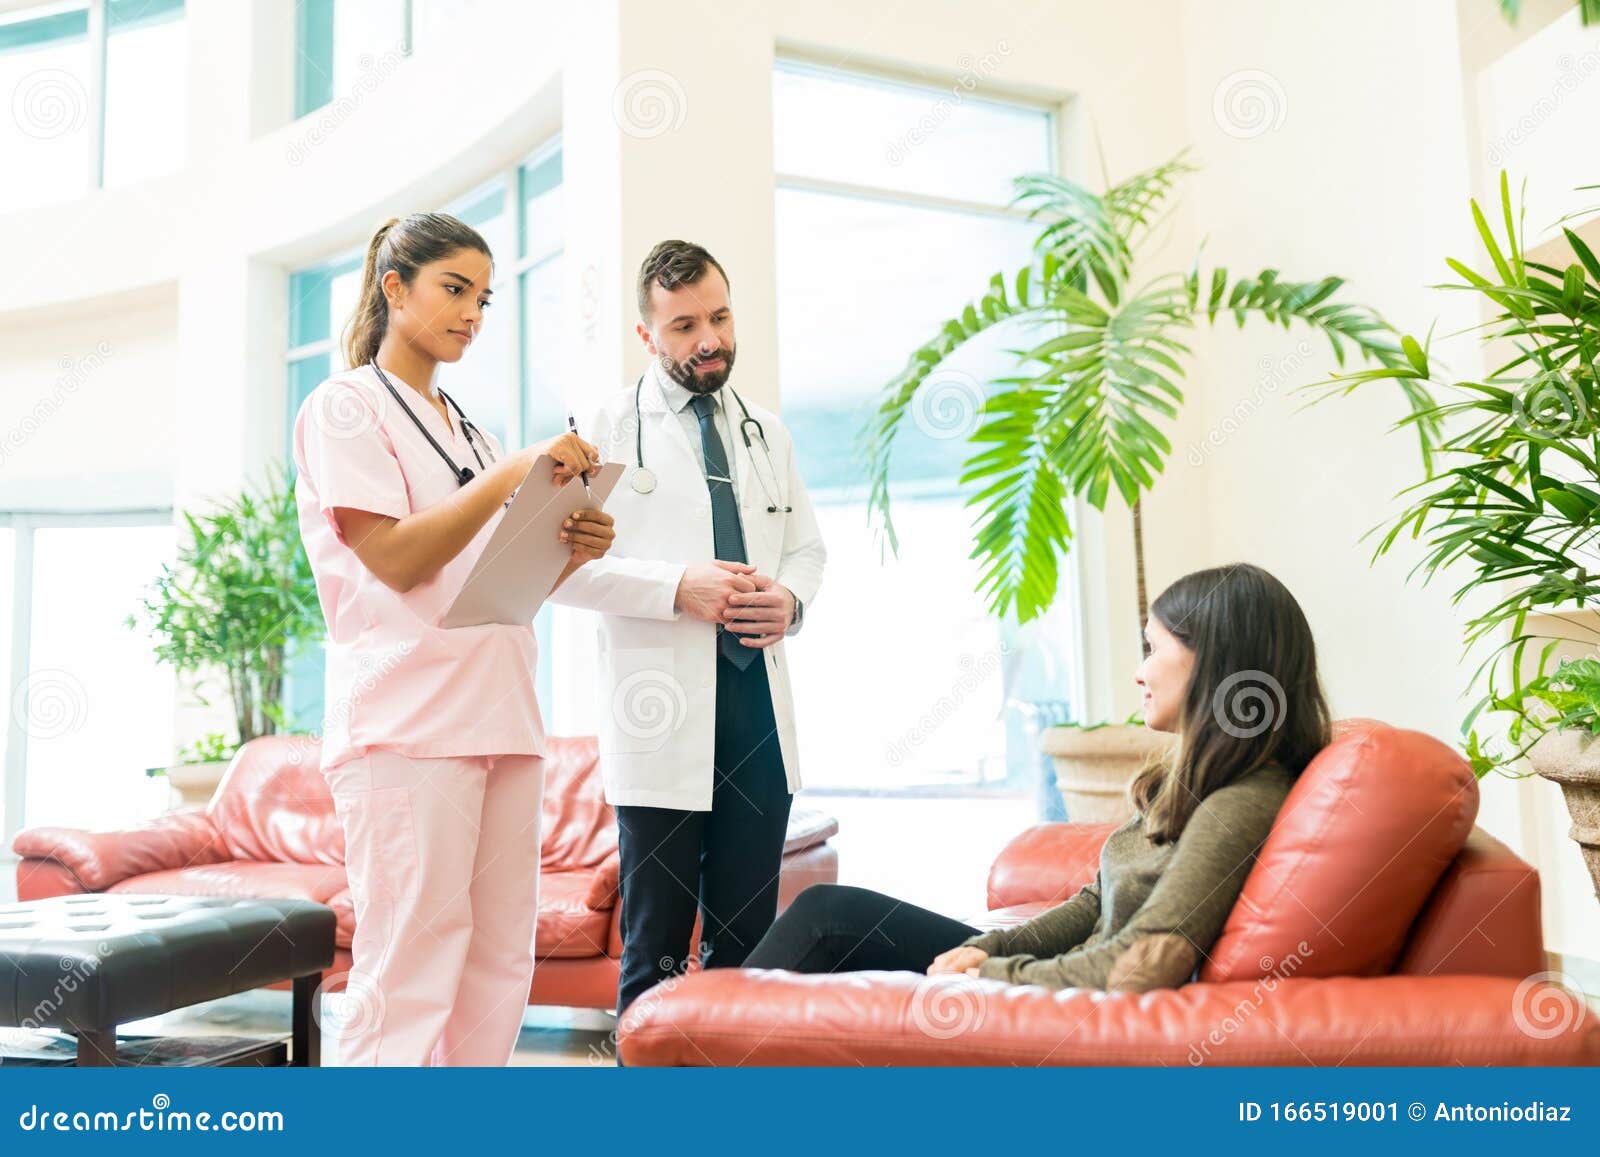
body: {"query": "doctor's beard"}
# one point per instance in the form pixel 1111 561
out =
pixel 683 372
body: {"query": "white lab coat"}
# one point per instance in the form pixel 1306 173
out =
pixel 658 669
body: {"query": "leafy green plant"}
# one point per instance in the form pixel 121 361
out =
pixel 1082 415
pixel 1512 495
pixel 1588 10
pixel 238 595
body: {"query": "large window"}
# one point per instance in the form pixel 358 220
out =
pixel 342 47
pixel 90 709
pixel 892 215
pixel 95 90
pixel 507 383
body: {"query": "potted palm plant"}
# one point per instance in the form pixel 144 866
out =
pixel 1511 498
pixel 1081 416
pixel 239 594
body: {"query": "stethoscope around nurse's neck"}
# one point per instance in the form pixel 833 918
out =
pixel 463 474
pixel 644 479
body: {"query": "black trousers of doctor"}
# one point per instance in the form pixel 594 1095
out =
pixel 722 864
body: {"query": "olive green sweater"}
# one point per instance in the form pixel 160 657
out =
pixel 1146 890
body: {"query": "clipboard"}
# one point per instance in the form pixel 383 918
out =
pixel 525 555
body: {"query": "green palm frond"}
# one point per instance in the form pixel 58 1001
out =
pixel 1100 378
pixel 1025 296
pixel 1091 235
pixel 1022 525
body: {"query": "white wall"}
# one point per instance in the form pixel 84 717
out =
pixel 87 403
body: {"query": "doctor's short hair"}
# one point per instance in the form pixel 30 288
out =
pixel 673 264
pixel 404 244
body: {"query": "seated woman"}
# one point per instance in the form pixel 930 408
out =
pixel 1232 670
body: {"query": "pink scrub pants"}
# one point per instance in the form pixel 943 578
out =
pixel 443 862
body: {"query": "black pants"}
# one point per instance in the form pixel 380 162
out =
pixel 835 928
pixel 723 863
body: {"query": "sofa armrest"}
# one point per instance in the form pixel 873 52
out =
pixel 1047 863
pixel 602 892
pixel 101 859
pixel 771 1017
pixel 1482 917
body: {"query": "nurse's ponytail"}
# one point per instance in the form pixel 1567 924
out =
pixel 403 244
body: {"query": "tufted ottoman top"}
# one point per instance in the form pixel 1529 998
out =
pixel 93 961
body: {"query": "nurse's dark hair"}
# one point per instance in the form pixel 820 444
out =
pixel 672 264
pixel 405 245
pixel 1254 695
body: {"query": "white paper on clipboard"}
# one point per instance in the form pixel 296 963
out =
pixel 525 554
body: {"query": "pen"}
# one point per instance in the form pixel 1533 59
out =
pixel 572 425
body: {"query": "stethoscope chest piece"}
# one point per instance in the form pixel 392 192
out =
pixel 644 480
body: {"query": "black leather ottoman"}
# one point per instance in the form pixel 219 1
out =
pixel 85 964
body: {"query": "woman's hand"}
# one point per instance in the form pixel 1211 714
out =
pixel 573 455
pixel 963 958
pixel 591 533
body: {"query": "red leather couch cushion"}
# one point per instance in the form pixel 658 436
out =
pixel 243 880
pixel 579 829
pixel 96 860
pixel 568 927
pixel 1361 841
pixel 273 804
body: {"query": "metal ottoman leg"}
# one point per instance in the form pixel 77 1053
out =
pixel 97 1048
pixel 307 1051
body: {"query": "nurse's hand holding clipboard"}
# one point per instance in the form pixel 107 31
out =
pixel 403 553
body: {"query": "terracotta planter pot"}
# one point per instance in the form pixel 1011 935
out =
pixel 1094 767
pixel 1572 759
pixel 195 783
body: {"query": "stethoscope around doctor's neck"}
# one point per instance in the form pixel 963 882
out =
pixel 644 479
pixel 464 474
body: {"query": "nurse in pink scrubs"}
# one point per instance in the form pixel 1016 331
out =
pixel 432 739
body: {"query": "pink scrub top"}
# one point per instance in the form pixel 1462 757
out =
pixel 395 679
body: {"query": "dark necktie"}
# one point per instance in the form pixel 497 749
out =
pixel 726 534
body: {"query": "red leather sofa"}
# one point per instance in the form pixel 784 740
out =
pixel 1378 926
pixel 270 831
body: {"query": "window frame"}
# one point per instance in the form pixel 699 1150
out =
pixel 302 58
pixel 24 523
pixel 98 34
pixel 1076 664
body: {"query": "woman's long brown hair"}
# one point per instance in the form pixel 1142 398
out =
pixel 1254 696
pixel 404 244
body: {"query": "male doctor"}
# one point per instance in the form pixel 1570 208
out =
pixel 716 559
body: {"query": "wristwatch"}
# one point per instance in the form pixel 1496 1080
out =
pixel 794 619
